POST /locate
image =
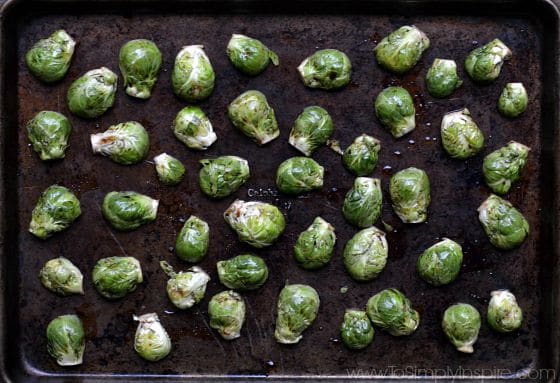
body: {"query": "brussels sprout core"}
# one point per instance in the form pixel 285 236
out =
pixel 222 176
pixel 410 194
pixel 92 94
pixel 504 314
pixel 48 132
pixel 254 117
pixel 484 63
pixel 504 225
pixel 326 69
pixel 49 59
pixel 193 77
pixel 227 314
pixel 513 100
pixel 193 128
pixel 126 143
pixel 66 340
pixel 461 323
pixel 128 210
pixel 362 205
pixel 402 49
pixel 299 175
pixel 442 78
pixel 503 167
pixel 151 341
pixel 395 110
pixel 55 211
pixel 365 255
pixel 186 288
pixel 460 136
pixel 249 55
pixel 314 247
pixel 60 276
pixel 312 129
pixel 361 156
pixel 297 308
pixel 391 311
pixel 139 62
pixel 244 272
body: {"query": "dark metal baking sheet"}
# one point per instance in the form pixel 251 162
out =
pixel 294 30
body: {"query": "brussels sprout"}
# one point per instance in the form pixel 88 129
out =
pixel 365 254
pixel 151 341
pixel 395 110
pixel 440 263
pixel 314 246
pixel 362 204
pixel 504 314
pixel 169 169
pixel 56 209
pixel 484 63
pixel 251 114
pixel 442 78
pixel 513 100
pixel 128 210
pixel 139 62
pixel 126 143
pixel 461 323
pixel 361 156
pixel 391 311
pixel 193 128
pixel 114 277
pixel 401 49
pixel 299 175
pixel 60 276
pixel 410 193
pixel 49 59
pixel 460 136
pixel 193 77
pixel 356 330
pixel 504 225
pixel 48 132
pixel 249 55
pixel 185 288
pixel 503 167
pixel 92 94
pixel 257 223
pixel 227 314
pixel 222 176
pixel 244 272
pixel 326 69
pixel 297 309
pixel 193 239
pixel 312 129
pixel 66 340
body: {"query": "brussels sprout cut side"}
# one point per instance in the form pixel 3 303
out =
pixel 356 330
pixel 169 169
pixel 139 62
pixel 504 225
pixel 48 133
pixel 254 117
pixel 66 340
pixel 227 314
pixel 128 210
pixel 503 167
pixel 126 143
pixel 410 194
pixel 49 59
pixel 362 204
pixel 185 288
pixel 513 100
pixel 315 246
pixel 249 55
pixel 327 69
pixel 193 77
pixel 223 176
pixel 297 309
pixel 193 239
pixel 115 277
pixel 461 323
pixel 504 314
pixel 365 254
pixel 312 129
pixel 92 94
pixel 193 128
pixel 442 78
pixel 299 175
pixel 460 136
pixel 391 311
pixel 440 264
pixel 244 272
pixel 395 110
pixel 151 341
pixel 60 276
pixel 360 158
pixel 55 211
pixel 484 63
pixel 402 49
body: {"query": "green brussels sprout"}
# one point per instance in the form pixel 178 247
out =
pixel 193 239
pixel 312 129
pixel 503 167
pixel 297 309
pixel 227 314
pixel 151 341
pixel 48 132
pixel 360 158
pixel 193 128
pixel 128 210
pixel 222 176
pixel 401 49
pixel 504 225
pixel 504 314
pixel 92 94
pixel 440 263
pixel 442 78
pixel 315 246
pixel 244 272
pixel 513 100
pixel 391 311
pixel 460 136
pixel 193 77
pixel 60 276
pixel 365 254
pixel 114 277
pixel 56 209
pixel 461 323
pixel 484 63
pixel 169 169
pixel 395 110
pixel 410 194
pixel 126 143
pixel 299 175
pixel 362 204
pixel 326 69
pixel 249 55
pixel 257 223
pixel 139 62
pixel 185 288
pixel 49 59
pixel 251 114
pixel 356 330
pixel 66 340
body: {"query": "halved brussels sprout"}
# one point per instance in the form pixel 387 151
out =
pixel 257 223
pixel 227 314
pixel 223 176
pixel 114 277
pixel 169 169
pixel 365 254
pixel 62 277
pixel 326 69
pixel 249 55
pixel 299 175
pixel 92 94
pixel 503 167
pixel 461 323
pixel 128 210
pixel 151 341
pixel 484 63
pixel 504 314
pixel 314 246
pixel 442 78
pixel 126 143
pixel 361 156
pixel 312 129
pixel 185 288
pixel 440 263
pixel 48 132
pixel 49 59
pixel 504 225
pixel 362 204
pixel 66 340
pixel 395 110
pixel 410 193
pixel 254 117
pixel 193 77
pixel 356 330
pixel 244 272
pixel 297 309
pixel 193 128
pixel 391 311
pixel 139 62
pixel 193 239
pixel 460 136
pixel 513 100
pixel 401 49
pixel 55 211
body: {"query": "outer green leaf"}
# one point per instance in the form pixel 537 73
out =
pixel 49 59
pixel 513 100
pixel 365 254
pixel 115 277
pixel 441 263
pixel 361 156
pixel 327 69
pixel 395 110
pixel 244 272
pixel 56 209
pixel 442 78
pixel 312 129
pixel 299 175
pixel 227 314
pixel 92 94
pixel 140 62
pixel 356 330
pixel 223 176
pixel 391 311
pixel 410 194
pixel 66 340
pixel 460 136
pixel 249 55
pixel 251 114
pixel 48 132
pixel 503 167
pixel 193 239
pixel 314 246
pixel 461 323
pixel 484 63
pixel 193 77
pixel 297 309
pixel 362 204
pixel 128 210
pixel 402 49
pixel 169 169
pixel 126 143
